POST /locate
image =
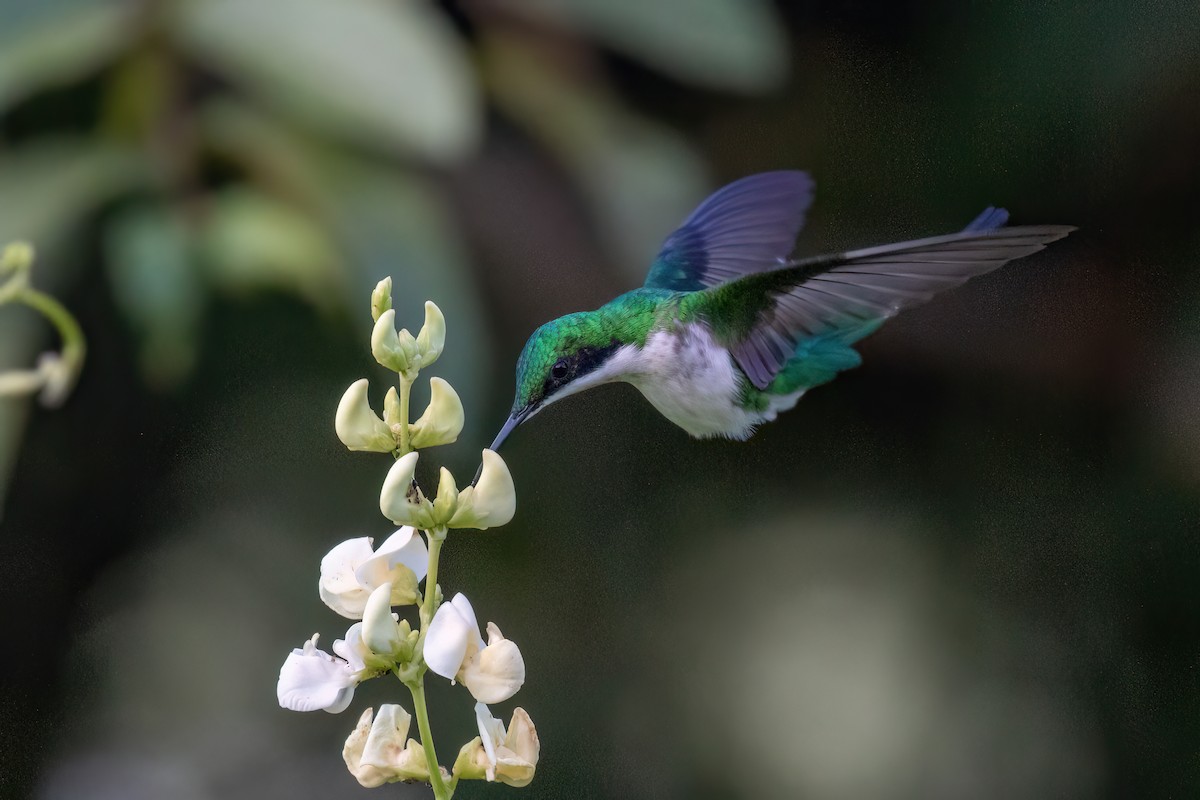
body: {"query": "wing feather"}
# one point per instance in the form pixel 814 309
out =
pixel 749 226
pixel 814 296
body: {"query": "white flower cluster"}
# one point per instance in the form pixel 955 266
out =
pixel 365 583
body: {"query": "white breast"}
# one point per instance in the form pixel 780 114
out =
pixel 690 379
pixel 694 383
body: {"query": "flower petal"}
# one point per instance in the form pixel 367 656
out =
pixel 311 679
pixel 385 343
pixel 401 560
pixel 379 630
pixel 443 419
pixel 447 639
pixel 352 649
pixel 394 499
pixel 460 602
pixel 491 735
pixel 358 426
pixel 523 748
pixel 492 501
pixel 431 339
pixel 389 749
pixel 352 754
pixel 497 672
pixel 339 588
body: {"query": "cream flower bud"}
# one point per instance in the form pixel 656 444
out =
pixel 358 426
pixel 447 498
pixel 380 752
pixel 380 633
pixel 386 345
pixel 391 408
pixel 412 351
pixel 400 499
pixel 443 419
pixel 454 649
pixel 508 756
pixel 432 337
pixel 491 502
pixel 381 298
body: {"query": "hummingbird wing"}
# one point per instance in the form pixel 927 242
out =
pixel 762 317
pixel 748 226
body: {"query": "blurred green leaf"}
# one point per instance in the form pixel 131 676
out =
pixel 151 269
pixel 389 221
pixel 252 241
pixel 46 187
pixel 726 44
pixel 52 42
pixel 641 179
pixel 390 74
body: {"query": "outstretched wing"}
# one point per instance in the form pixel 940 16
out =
pixel 762 317
pixel 748 226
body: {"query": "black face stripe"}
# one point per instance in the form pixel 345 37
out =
pixel 577 364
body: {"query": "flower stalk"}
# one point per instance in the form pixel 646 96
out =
pixel 440 790
pixel 405 393
pixel 363 582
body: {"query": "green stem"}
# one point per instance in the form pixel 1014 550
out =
pixel 440 790
pixel 437 537
pixel 405 391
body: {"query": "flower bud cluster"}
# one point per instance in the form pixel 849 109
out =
pixel 491 502
pixel 365 583
pixel 401 351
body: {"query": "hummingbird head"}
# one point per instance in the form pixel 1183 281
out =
pixel 562 357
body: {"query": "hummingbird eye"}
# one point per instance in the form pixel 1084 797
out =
pixel 559 370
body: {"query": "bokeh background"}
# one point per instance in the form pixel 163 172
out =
pixel 970 568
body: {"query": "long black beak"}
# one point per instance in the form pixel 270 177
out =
pixel 509 425
pixel 514 419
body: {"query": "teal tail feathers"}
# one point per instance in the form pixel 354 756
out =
pixel 819 359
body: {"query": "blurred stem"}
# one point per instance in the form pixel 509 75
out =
pixel 417 686
pixel 74 345
pixel 16 262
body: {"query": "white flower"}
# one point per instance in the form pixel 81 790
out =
pixel 491 502
pixel 443 419
pixel 381 752
pixel 352 570
pixel 311 679
pixel 455 650
pixel 496 754
pixel 358 426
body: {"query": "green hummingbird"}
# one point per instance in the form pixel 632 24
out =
pixel 728 331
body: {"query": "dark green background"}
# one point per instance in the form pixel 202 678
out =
pixel 967 569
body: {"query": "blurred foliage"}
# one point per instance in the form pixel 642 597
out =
pixel 217 162
pixel 975 550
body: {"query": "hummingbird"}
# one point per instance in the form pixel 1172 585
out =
pixel 728 330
